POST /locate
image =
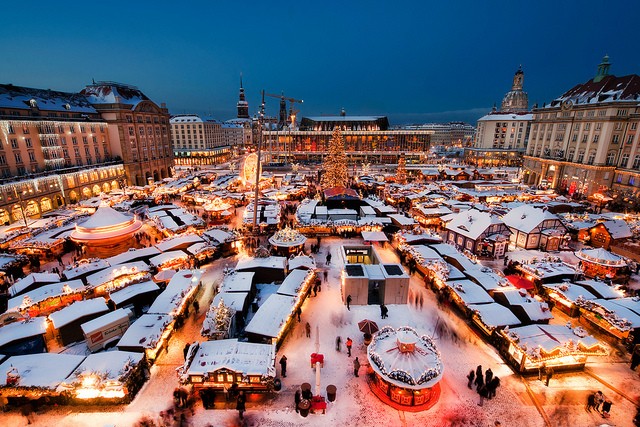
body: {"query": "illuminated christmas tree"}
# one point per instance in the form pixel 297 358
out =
pixel 335 164
pixel 401 174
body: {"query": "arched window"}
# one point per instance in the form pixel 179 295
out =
pixel 636 162
pixel 592 158
pixel 580 158
pixel 572 152
pixel 624 160
pixel 611 158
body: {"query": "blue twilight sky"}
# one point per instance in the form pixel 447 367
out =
pixel 415 61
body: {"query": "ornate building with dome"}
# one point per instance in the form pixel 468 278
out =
pixel 516 100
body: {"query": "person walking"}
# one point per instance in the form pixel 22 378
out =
pixel 307 328
pixel 299 312
pixel 356 367
pixel 240 404
pixel 283 366
pixel 349 302
pixel 185 350
pixel 591 402
pixel 326 275
pixel 349 344
pixel 338 343
pixel 470 376
pixel 329 258
pixel 479 372
pixel 488 376
pixel 196 307
pixel 384 311
pixel 479 381
pixel 549 375
pixel 297 398
pixel 492 387
pixel 598 399
pixel 482 391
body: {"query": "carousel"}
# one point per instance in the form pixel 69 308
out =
pixel 107 232
pixel 287 241
pixel 406 368
pixel 601 263
pixel 219 211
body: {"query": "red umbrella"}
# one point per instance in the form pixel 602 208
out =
pixel 368 326
pixel 520 282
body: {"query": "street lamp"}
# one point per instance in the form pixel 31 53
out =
pixel 19 197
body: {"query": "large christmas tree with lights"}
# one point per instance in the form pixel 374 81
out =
pixel 335 164
pixel 401 174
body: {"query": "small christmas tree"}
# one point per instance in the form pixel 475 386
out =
pixel 223 317
pixel 401 174
pixel 335 164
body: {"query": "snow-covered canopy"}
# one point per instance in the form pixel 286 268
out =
pixel 77 310
pixel 42 293
pixel 302 261
pixel 237 281
pixel 272 316
pixel 601 256
pixel 132 290
pixel 133 255
pixel 601 289
pixel 494 315
pixel 526 218
pixel 570 291
pixel 116 271
pixel 20 330
pixel 145 332
pixel 180 288
pixel 469 292
pixel 84 267
pixel 31 280
pixel 294 282
pixel 181 242
pixel 109 367
pixel 42 370
pixel 244 357
pixel 165 257
pixel 287 237
pixel 472 223
pixel 105 223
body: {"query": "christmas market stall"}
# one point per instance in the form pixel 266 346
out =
pixel 48 298
pixel 217 365
pixel 272 320
pixel 565 294
pixel 46 244
pixel 132 255
pixel 106 329
pixel 171 260
pixel 24 337
pixel 287 241
pixel 117 277
pixel 84 268
pixel 492 317
pixel 415 236
pixel 219 211
pixel 225 315
pixel 546 270
pixel 178 295
pixel 202 252
pixel 527 308
pixel 227 241
pixel 148 335
pixel 614 319
pixel 180 242
pixel 67 322
pixel 33 376
pixel 465 292
pixel 602 289
pixel 301 262
pixel 268 268
pixel 108 377
pixel 138 295
pixel 531 348
pixel 298 283
pixel 407 369
pixel 601 263
pixel 32 281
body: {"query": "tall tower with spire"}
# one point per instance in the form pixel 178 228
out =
pixel 516 99
pixel 243 105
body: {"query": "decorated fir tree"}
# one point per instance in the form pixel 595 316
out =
pixel 335 164
pixel 401 173
pixel 223 317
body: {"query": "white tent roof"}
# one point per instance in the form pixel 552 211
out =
pixel 248 358
pixel 105 216
pixel 43 370
pixel 77 310
pixel 495 315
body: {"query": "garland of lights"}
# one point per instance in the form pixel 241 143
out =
pixel 611 317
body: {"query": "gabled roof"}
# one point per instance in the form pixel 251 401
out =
pixel 527 217
pixel 19 97
pixel 472 223
pixel 609 89
pixel 617 228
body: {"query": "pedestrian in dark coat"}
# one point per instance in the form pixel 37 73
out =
pixel 495 383
pixel 479 371
pixel 240 404
pixel 326 275
pixel 338 342
pixel 549 375
pixel 591 402
pixel 349 302
pixel 479 381
pixel 307 328
pixel 329 258
pixel 482 391
pixel 283 365
pixel 356 367
pixel 196 306
pixel 297 398
pixel 349 344
pixel 185 350
pixel 488 376
pixel 299 313
pixel 470 376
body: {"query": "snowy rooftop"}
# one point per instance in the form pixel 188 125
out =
pixel 247 263
pixel 145 332
pixel 20 285
pixel 78 310
pixel 116 271
pixel 220 236
pixel 180 287
pixel 472 223
pixel 237 282
pixel 104 217
pixel 498 116
pixel 133 290
pixel 293 282
pixel 85 267
pixel 133 255
pixel 235 300
pixel 42 370
pixel 25 329
pixel 600 289
pixel 272 316
pixel 248 358
pixel 469 292
pixel 181 241
pixel 549 337
pixel 302 261
pixel 402 220
pixel 109 365
pixel 19 97
pixel 570 291
pixel 166 257
pixel 609 89
pixel 112 93
pixel 44 292
pixel 495 315
pixel 527 217
pixel 106 319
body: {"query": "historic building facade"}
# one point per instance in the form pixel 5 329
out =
pixel 198 140
pixel 368 139
pixel 586 141
pixel 502 136
pixel 55 148
pixel 138 128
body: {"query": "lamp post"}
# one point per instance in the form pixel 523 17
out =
pixel 19 197
pixel 257 189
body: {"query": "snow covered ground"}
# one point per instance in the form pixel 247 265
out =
pixel 519 402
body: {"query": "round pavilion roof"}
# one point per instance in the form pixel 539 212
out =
pixel 601 256
pixel 287 237
pixel 404 358
pixel 105 223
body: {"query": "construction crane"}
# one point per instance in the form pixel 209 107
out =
pixel 283 119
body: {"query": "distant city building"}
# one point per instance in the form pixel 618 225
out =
pixel 243 105
pixel 368 139
pixel 198 140
pixel 586 140
pixel 502 136
pixel 55 148
pixel 138 128
pixel 447 134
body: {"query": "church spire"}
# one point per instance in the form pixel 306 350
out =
pixel 603 69
pixel 243 105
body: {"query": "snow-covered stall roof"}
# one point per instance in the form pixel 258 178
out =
pixel 179 242
pixel 402 220
pixel 106 319
pixel 454 274
pixel 237 281
pixel 469 292
pixel 181 286
pixel 275 262
pixel 444 249
pixel 248 358
pixel 44 292
pixel 302 262
pixel 166 257
pixel 618 229
pixel 495 315
pixel 77 310
pixel 145 332
pixel 487 278
pixel 84 268
pixel 32 279
pixel 42 370
pixel 20 330
pixel 621 311
pixel 133 290
pixel 570 291
pixel 294 282
pixel 272 316
pixel 533 309
pixel 374 236
pixel 632 303
pixel 550 337
pixel 472 223
pixel 600 289
pixel 109 366
pixel 234 300
pixel 133 255
pixel 219 236
pixel 527 217
pixel 116 271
